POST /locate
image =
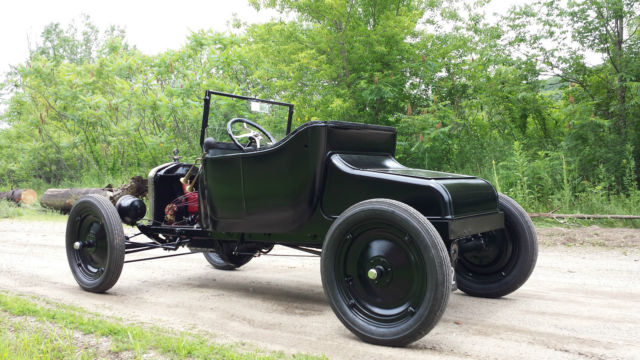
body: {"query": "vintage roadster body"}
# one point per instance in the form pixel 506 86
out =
pixel 393 241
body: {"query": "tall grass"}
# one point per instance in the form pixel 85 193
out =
pixel 541 181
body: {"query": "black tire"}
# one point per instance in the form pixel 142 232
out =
pixel 94 224
pixel 224 258
pixel 235 261
pixel 508 259
pixel 413 274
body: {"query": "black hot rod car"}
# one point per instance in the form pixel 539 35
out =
pixel 394 241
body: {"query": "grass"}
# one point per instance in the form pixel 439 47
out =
pixel 19 341
pixel 10 210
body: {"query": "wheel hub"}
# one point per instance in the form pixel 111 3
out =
pixel 373 274
pixel 383 280
pixel 90 250
pixel 379 273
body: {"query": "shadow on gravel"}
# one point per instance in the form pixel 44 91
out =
pixel 287 294
pixel 293 296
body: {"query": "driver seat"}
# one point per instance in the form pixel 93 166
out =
pixel 216 148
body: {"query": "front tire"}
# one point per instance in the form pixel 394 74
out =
pixel 95 243
pixel 386 272
pixel 507 259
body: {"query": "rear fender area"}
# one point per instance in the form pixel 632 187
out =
pixel 457 205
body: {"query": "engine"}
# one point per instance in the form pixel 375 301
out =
pixel 183 210
pixel 171 201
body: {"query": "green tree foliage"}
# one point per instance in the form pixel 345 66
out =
pixel 602 108
pixel 354 56
pixel 111 113
pixel 515 101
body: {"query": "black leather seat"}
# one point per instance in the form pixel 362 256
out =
pixel 215 148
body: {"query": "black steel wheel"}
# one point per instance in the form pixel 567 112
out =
pixel 95 243
pixel 226 259
pixel 386 272
pixel 506 258
pixel 235 261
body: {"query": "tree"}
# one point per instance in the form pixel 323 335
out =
pixel 359 49
pixel 568 40
pixel 565 37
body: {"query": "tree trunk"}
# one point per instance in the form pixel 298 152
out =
pixel 622 89
pixel 20 196
pixel 63 199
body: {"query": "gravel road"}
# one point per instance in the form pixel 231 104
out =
pixel 582 301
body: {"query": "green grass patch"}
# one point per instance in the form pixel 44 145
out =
pixel 11 210
pixel 20 339
pixel 138 339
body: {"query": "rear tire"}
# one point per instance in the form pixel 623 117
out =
pixel 386 272
pixel 219 263
pixel 507 260
pixel 224 258
pixel 95 243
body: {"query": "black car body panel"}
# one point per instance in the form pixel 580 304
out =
pixel 301 183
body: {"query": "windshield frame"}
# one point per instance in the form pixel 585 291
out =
pixel 207 103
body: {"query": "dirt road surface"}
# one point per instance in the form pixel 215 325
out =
pixel 582 301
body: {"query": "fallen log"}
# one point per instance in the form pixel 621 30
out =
pixel 20 196
pixel 63 199
pixel 582 216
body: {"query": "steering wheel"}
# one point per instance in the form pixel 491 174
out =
pixel 254 137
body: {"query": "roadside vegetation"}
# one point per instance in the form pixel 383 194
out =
pixel 575 223
pixel 10 210
pixel 35 328
pixel 543 102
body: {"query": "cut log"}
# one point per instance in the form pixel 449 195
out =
pixel 582 216
pixel 20 196
pixel 63 199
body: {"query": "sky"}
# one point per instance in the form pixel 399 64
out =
pixel 152 26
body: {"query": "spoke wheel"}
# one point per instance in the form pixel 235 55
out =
pixel 505 261
pixel 95 243
pixel 386 272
